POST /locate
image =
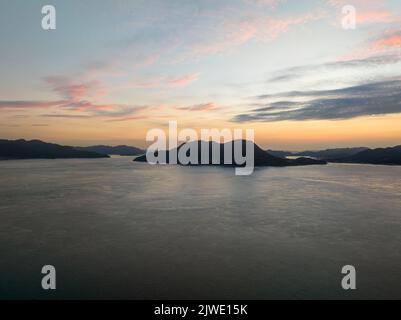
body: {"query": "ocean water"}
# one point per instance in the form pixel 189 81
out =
pixel 118 229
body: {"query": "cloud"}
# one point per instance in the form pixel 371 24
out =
pixel 120 111
pixel 80 109
pixel 367 11
pixel 378 98
pixel 72 116
pixel 204 107
pixel 384 44
pixel 389 40
pixel 76 90
pixel 189 31
pixel 80 101
pixel 383 16
pixel 113 112
pixel 357 3
pixel 166 81
pixel 139 117
pixel 232 29
pixel 275 106
pixel 183 80
pixel 20 104
pixel 84 105
pixel 367 62
pixel 269 3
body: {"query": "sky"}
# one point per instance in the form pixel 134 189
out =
pixel 112 70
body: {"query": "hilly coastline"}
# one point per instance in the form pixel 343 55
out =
pixel 363 155
pixel 384 156
pixel 36 149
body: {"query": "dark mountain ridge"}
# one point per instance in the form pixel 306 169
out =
pixel 36 149
pixel 386 156
pixel 121 150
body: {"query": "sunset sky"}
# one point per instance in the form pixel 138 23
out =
pixel 287 68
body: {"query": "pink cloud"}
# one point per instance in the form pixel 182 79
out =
pixel 387 44
pixel 183 80
pixel 80 99
pixel 204 107
pixel 367 11
pixel 374 16
pixel 275 27
pixel 390 41
pixel 76 90
pixel 234 32
pixel 165 81
pixel 29 104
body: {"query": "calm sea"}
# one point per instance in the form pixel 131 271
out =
pixel 118 229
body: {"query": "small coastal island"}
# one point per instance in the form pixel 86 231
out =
pixel 261 157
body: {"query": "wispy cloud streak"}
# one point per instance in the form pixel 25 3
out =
pixel 377 98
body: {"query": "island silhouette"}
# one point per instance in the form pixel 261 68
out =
pixel 261 157
pixel 37 149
